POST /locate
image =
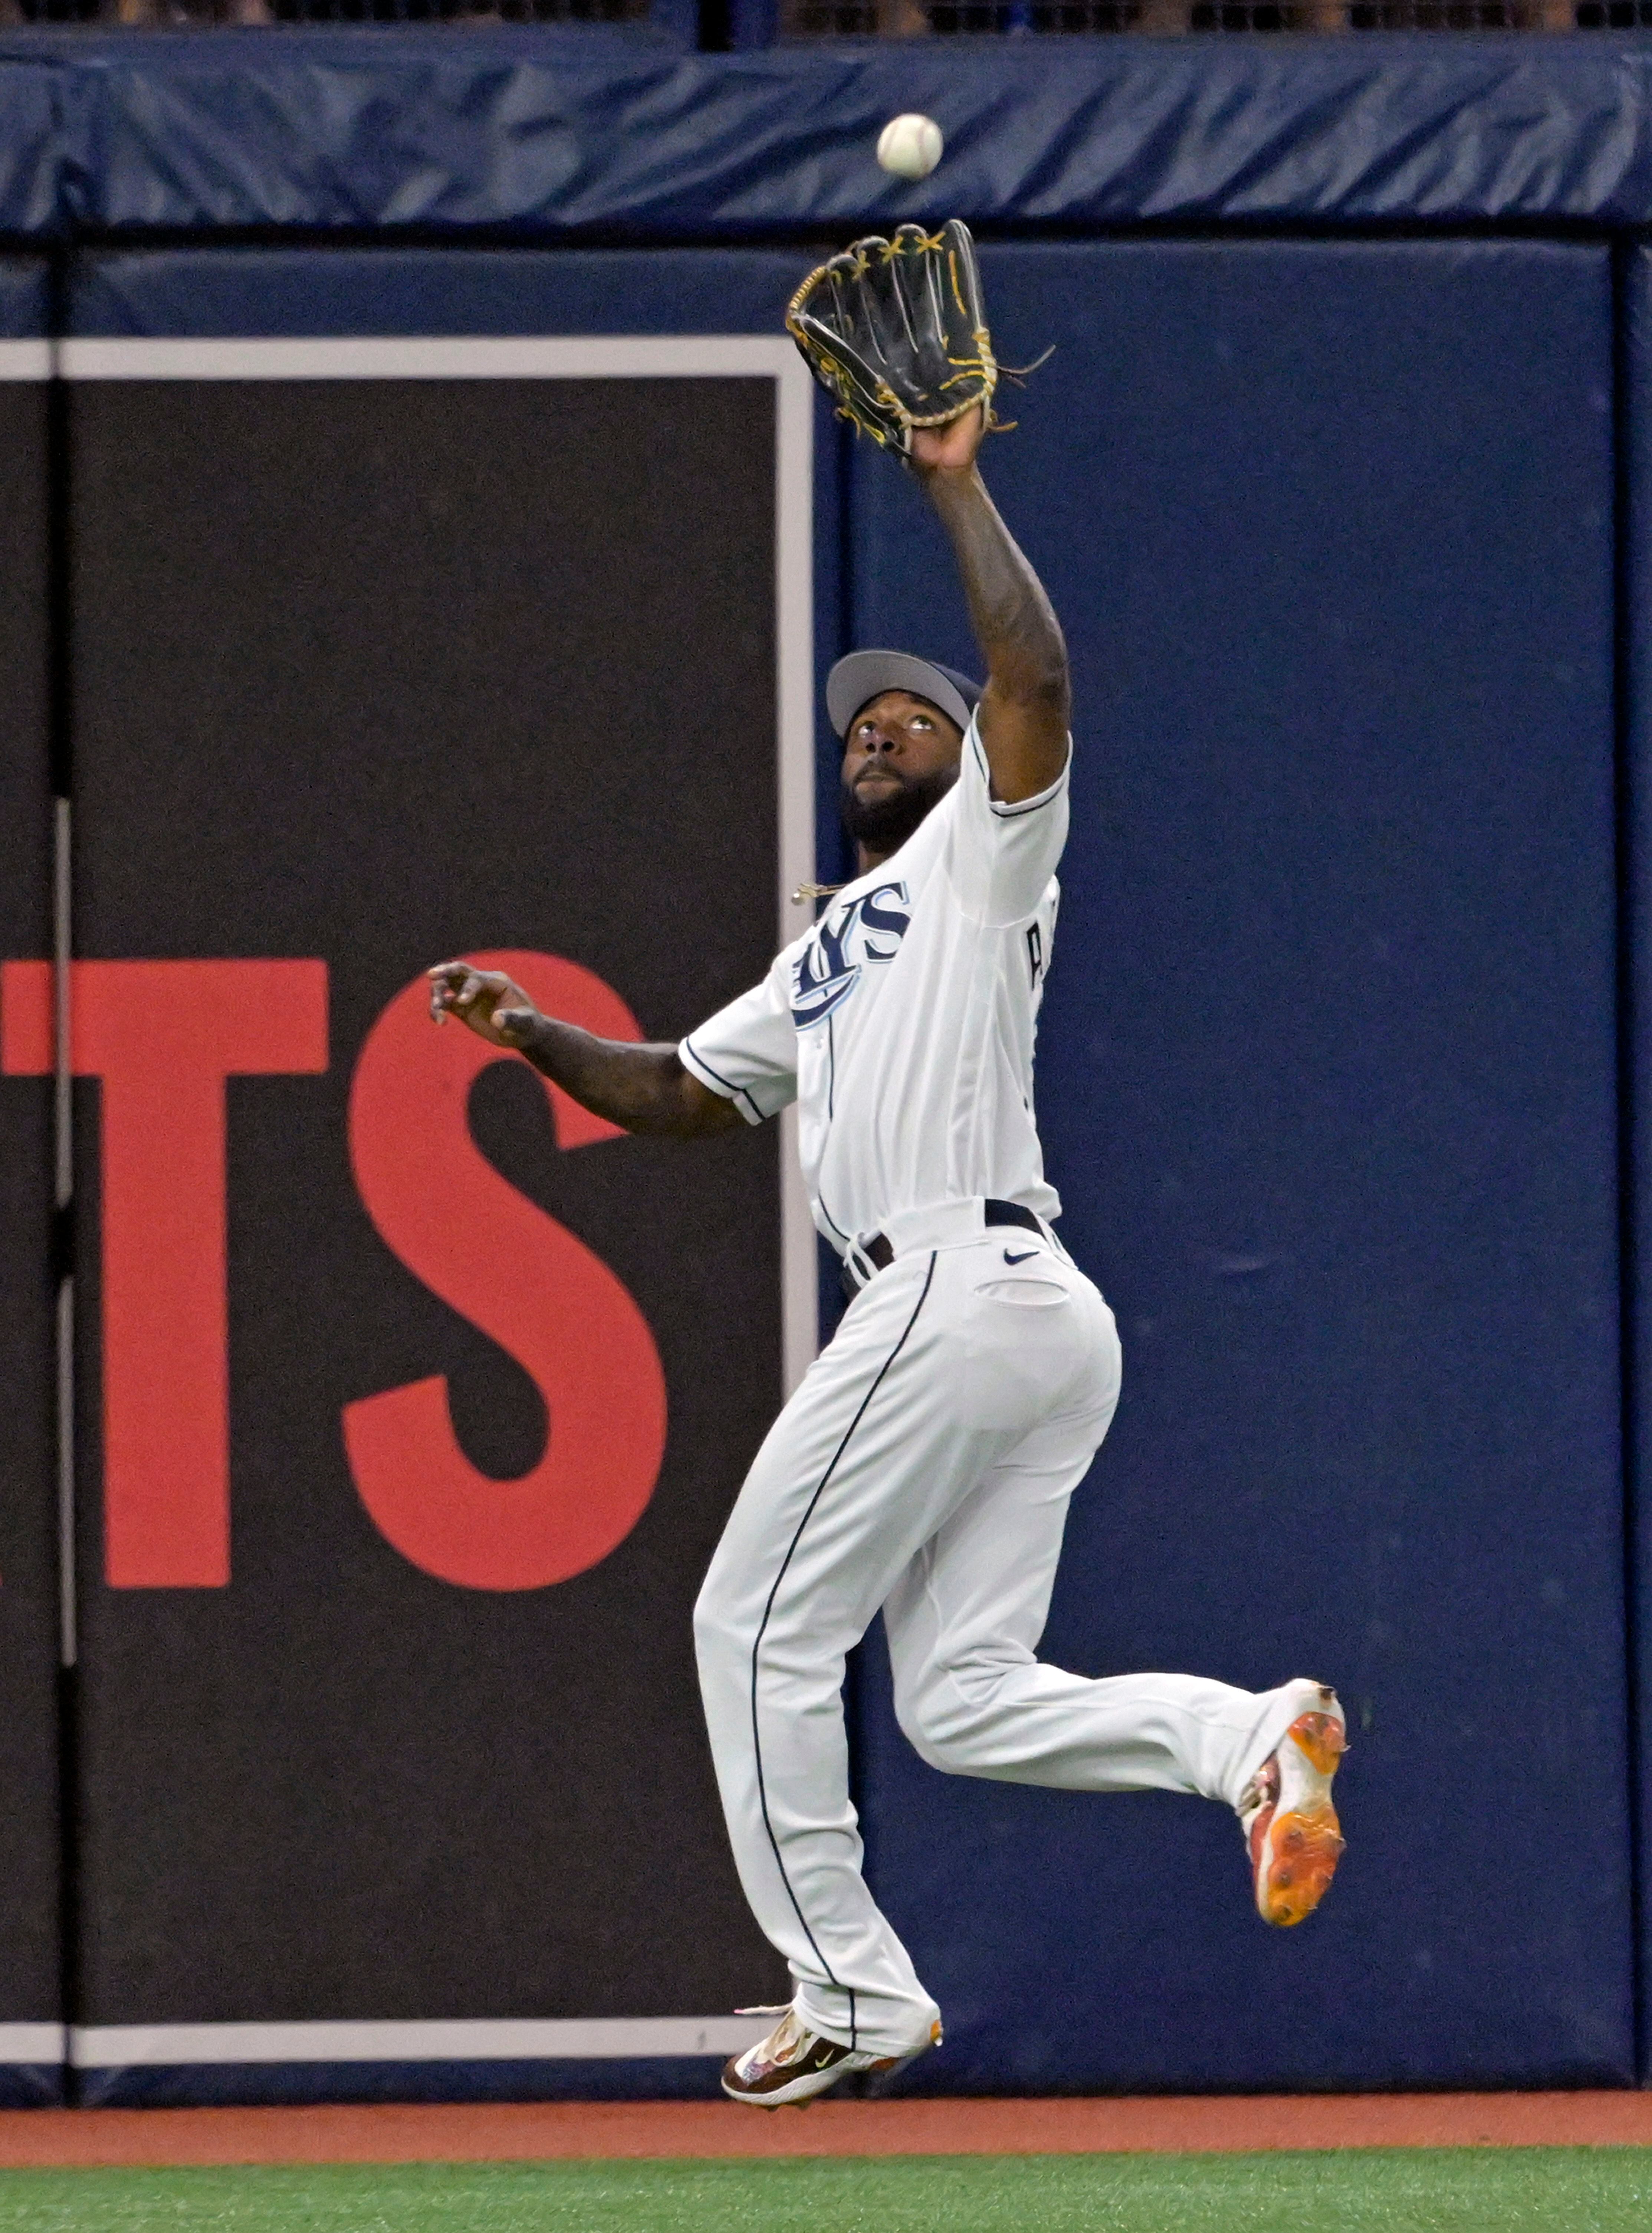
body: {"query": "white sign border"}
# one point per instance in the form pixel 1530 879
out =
pixel 465 2039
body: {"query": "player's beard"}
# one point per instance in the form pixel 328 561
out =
pixel 881 824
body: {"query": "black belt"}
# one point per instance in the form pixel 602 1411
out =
pixel 877 1250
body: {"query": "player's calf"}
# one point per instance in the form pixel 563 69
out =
pixel 1290 1824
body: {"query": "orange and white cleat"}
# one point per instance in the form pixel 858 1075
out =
pixel 1289 1824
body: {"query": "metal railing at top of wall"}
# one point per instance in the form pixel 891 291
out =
pixel 828 19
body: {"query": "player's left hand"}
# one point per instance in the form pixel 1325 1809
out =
pixel 950 449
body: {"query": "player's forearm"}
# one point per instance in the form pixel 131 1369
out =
pixel 1013 620
pixel 645 1089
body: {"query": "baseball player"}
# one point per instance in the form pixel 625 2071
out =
pixel 923 1466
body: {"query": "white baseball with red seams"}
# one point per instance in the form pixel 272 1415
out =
pixel 925 1464
pixel 909 147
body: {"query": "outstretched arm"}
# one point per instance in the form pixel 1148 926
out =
pixel 645 1089
pixel 1027 705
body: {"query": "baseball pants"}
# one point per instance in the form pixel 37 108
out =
pixel 924 1467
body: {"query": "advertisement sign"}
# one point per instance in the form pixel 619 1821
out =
pixel 411 1397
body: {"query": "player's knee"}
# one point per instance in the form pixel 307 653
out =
pixel 951 1715
pixel 929 1726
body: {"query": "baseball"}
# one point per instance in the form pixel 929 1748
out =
pixel 910 146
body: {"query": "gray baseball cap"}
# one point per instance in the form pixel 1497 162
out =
pixel 864 675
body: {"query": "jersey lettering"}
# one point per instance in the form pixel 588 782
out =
pixel 891 921
pixel 869 928
pixel 917 1089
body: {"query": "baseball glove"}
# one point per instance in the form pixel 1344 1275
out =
pixel 896 330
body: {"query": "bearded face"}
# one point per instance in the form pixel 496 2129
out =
pixel 882 811
pixel 899 760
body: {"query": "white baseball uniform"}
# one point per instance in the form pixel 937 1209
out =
pixel 924 1463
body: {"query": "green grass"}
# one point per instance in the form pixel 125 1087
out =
pixel 1399 2190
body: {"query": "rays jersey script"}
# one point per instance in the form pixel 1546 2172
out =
pixel 902 1023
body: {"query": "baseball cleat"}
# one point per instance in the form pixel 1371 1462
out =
pixel 1289 1824
pixel 794 2064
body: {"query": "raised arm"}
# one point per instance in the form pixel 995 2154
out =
pixel 1027 706
pixel 645 1089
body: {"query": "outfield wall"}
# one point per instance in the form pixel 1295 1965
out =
pixel 382 1779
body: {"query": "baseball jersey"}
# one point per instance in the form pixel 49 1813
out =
pixel 902 1022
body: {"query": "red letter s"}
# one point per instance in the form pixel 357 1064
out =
pixel 542 1295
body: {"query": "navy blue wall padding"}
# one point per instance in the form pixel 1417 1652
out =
pixel 25 299
pixel 1636 854
pixel 545 131
pixel 317 291
pixel 33 142
pixel 227 2085
pixel 1327 1081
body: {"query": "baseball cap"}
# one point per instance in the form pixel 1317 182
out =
pixel 864 675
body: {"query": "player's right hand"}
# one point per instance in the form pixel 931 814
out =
pixel 496 1009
